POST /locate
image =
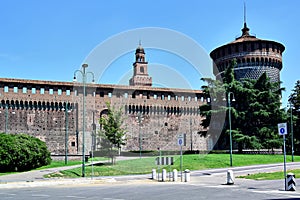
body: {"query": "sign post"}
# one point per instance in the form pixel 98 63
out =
pixel 180 141
pixel 282 130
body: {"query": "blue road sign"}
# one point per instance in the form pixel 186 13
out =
pixel 282 130
pixel 180 141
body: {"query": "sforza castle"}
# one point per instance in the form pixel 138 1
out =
pixel 153 117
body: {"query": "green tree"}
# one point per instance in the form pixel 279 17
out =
pixel 255 111
pixel 294 99
pixel 113 130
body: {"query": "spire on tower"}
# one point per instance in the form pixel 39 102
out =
pixel 244 12
pixel 245 30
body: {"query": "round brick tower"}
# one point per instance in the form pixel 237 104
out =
pixel 254 57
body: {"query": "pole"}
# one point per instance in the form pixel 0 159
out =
pixel 158 166
pixel 93 144
pixel 292 133
pixel 181 161
pixel 6 117
pixel 230 136
pixel 67 134
pixel 140 134
pixel 83 125
pixel 83 73
pixel 284 163
pixel 140 139
pixel 191 134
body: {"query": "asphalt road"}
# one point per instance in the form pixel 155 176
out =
pixel 204 184
pixel 147 191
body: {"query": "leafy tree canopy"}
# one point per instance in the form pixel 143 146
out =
pixel 255 110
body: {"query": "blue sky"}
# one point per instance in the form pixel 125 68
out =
pixel 49 40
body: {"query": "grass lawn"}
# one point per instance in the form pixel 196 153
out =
pixel 191 162
pixel 55 164
pixel 271 176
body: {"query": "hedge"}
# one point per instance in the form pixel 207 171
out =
pixel 21 152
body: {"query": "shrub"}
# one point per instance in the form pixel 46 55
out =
pixel 21 152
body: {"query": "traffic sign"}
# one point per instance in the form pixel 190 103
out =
pixel 282 129
pixel 181 139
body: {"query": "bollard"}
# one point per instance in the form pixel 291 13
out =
pixel 153 174
pixel 230 178
pixel 164 175
pixel 290 182
pixel 175 175
pixel 187 175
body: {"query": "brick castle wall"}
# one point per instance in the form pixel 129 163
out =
pixel 42 108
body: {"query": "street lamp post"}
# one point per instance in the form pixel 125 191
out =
pixel 229 119
pixel 84 75
pixel 291 130
pixel 140 119
pixel 191 133
pixel 6 117
pixel 66 133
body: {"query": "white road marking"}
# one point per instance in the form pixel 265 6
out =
pixel 40 195
pixel 77 197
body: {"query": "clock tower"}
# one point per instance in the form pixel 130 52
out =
pixel 140 69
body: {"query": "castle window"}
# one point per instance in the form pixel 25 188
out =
pixel 5 88
pixel 109 94
pixel 169 97
pixel 155 96
pixel 68 92
pixel 142 69
pixel 33 91
pixel 24 90
pixel 42 91
pixel 126 95
pixel 59 91
pixel 51 91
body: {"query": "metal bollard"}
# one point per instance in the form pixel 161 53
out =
pixel 290 182
pixel 164 175
pixel 175 175
pixel 230 177
pixel 187 175
pixel 153 174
